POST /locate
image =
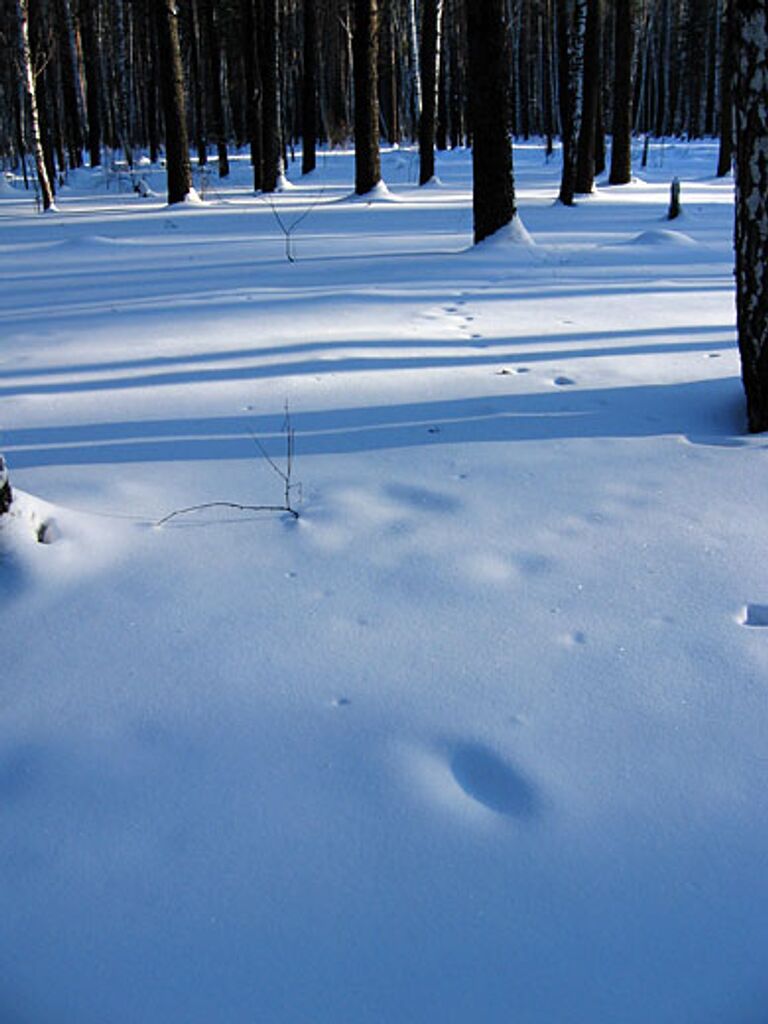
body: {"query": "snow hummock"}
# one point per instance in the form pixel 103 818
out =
pixel 380 193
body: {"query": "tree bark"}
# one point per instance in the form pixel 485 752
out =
pixel 751 234
pixel 365 43
pixel 493 191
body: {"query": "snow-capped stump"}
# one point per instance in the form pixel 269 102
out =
pixel 6 494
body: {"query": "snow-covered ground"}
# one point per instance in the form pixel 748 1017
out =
pixel 481 737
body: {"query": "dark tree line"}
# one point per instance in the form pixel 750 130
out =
pixel 271 74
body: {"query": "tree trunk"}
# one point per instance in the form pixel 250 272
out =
pixel 725 154
pixel 365 42
pixel 123 84
pixel 751 235
pixel 432 12
pixel 585 161
pixel 571 17
pixel 179 173
pixel 252 88
pixel 621 130
pixel 93 83
pixel 271 133
pixel 28 73
pixel 309 90
pixel 212 42
pixel 493 191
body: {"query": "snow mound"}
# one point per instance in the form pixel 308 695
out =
pixel 283 185
pixel 514 233
pixel 662 236
pixel 378 194
pixel 6 188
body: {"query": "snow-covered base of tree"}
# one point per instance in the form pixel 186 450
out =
pixel 481 737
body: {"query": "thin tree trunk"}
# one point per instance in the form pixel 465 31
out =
pixel 28 76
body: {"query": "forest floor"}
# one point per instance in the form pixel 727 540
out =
pixel 481 736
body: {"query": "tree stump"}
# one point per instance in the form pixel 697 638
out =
pixel 6 494
pixel 675 209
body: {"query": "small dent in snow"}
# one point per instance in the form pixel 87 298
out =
pixel 493 782
pixel 575 639
pixel 563 382
pixel 754 615
pixel 341 702
pixel 422 498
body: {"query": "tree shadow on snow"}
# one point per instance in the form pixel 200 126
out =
pixel 704 412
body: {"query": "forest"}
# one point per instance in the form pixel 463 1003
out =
pixel 276 74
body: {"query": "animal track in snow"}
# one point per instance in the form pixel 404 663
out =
pixel 754 615
pixel 491 781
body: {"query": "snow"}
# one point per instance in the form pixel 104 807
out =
pixel 481 736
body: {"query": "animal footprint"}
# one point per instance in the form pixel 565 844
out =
pixel 492 782
pixel 754 615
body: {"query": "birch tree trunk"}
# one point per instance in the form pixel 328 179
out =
pixel 432 12
pixel 28 77
pixel 751 235
pixel 571 19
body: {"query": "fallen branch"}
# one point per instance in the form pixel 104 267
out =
pixel 226 504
